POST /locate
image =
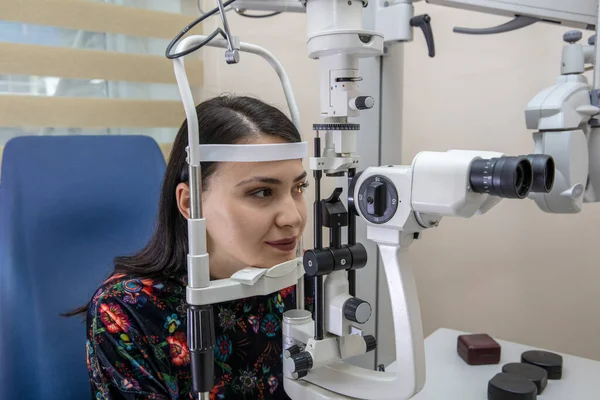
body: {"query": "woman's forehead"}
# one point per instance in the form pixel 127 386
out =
pixel 285 170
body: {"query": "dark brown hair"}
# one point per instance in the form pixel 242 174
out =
pixel 224 119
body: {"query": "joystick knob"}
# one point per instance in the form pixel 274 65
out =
pixel 303 362
pixel 357 310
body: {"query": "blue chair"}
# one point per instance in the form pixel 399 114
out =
pixel 68 206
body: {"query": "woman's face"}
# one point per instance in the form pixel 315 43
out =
pixel 255 213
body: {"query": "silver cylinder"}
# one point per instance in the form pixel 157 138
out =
pixel 300 285
pixel 296 317
pixel 204 396
pixel 300 293
pixel 195 192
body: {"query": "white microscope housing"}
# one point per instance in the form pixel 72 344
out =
pixel 456 183
pixel 397 202
pixel 566 130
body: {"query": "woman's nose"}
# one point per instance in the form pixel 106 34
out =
pixel 289 213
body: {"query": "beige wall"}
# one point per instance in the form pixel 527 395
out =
pixel 516 273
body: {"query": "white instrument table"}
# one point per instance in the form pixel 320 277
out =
pixel 450 378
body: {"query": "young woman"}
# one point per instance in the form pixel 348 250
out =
pixel 255 214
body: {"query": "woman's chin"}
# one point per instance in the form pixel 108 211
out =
pixel 277 260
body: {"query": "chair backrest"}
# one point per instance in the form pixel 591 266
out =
pixel 68 206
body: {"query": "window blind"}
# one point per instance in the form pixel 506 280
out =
pixel 91 67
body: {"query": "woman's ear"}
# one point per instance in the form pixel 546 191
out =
pixel 182 194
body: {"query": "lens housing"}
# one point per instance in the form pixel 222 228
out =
pixel 543 172
pixel 506 177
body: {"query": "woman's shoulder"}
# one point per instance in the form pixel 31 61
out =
pixel 136 335
pixel 125 294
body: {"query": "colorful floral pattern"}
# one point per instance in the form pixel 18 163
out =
pixel 180 354
pixel 137 347
pixel 113 318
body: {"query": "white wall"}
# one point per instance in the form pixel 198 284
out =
pixel 516 273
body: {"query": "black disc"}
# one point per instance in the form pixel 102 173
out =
pixel 505 386
pixel 537 375
pixel 551 362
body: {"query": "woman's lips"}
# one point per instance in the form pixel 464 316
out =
pixel 284 244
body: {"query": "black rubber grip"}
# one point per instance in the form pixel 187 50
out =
pixel 371 342
pixel 303 362
pixel 201 343
pixel 203 367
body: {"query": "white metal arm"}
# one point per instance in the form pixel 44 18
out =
pixel 249 281
pixel 186 91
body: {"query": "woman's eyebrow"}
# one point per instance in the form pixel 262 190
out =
pixel 269 180
pixel 300 177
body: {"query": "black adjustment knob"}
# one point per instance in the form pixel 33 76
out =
pixel 291 351
pixel 371 342
pixel 364 102
pixel 357 310
pixel 376 199
pixel 342 258
pixel 318 262
pixel 359 256
pixel 592 40
pixel 303 362
pixel 300 375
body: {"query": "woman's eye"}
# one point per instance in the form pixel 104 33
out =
pixel 262 193
pixel 267 192
pixel 302 187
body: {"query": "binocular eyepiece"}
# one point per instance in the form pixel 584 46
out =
pixel 513 177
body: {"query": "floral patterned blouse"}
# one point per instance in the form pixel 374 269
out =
pixel 137 349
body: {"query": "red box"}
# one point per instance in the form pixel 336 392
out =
pixel 478 349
